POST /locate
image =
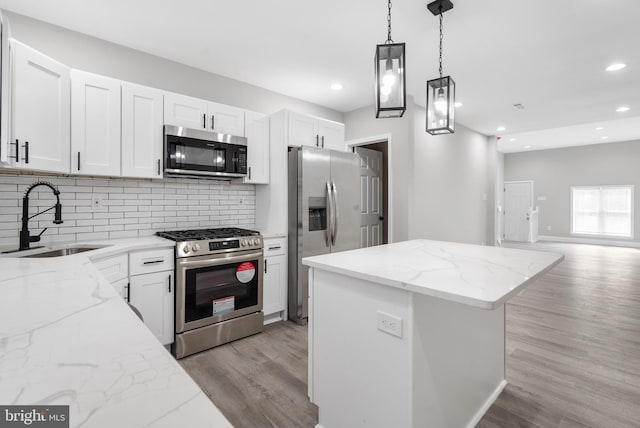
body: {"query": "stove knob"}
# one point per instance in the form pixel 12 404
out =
pixel 186 248
pixel 251 242
pixel 196 248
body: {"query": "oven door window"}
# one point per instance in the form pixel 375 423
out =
pixel 220 290
pixel 188 154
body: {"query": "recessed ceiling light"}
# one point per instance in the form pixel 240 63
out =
pixel 527 147
pixel 337 86
pixel 623 109
pixel 616 67
pixel 501 128
pixel 605 137
pixel 599 128
pixel 458 104
pixel 512 139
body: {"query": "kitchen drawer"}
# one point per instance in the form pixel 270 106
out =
pixel 149 261
pixel 114 268
pixel 275 246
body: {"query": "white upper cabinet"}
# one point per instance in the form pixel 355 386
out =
pixel 257 133
pixel 5 91
pixel 95 124
pixel 142 136
pixel 181 110
pixel 225 119
pixel 40 110
pixel 195 113
pixel 331 134
pixel 310 131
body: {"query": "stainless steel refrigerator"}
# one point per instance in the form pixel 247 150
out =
pixel 324 214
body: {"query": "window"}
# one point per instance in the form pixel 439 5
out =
pixel 602 210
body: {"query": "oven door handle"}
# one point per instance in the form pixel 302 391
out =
pixel 192 262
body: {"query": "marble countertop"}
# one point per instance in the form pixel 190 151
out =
pixel 67 338
pixel 480 276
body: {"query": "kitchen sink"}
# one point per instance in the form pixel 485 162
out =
pixel 61 252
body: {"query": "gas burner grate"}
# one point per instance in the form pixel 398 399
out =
pixel 200 234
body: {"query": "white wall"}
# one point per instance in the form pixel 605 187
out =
pixel 362 123
pixel 130 208
pixel 555 171
pixel 453 174
pixel 88 53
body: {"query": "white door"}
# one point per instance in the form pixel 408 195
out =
pixel 331 135
pixel 371 209
pixel 41 96
pixel 152 295
pixel 142 142
pixel 181 110
pixel 303 130
pixel 95 124
pixel 257 133
pixel 225 119
pixel 518 200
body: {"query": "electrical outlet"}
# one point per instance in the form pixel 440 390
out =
pixel 96 203
pixel 389 324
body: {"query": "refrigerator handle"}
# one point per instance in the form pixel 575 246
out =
pixel 330 215
pixel 335 212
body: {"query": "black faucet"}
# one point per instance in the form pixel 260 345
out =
pixel 25 238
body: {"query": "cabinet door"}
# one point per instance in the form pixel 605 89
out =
pixel 142 143
pixel 5 92
pixel 95 124
pixel 303 130
pixel 331 135
pixel 152 295
pixel 122 287
pixel 274 284
pixel 257 133
pixel 225 119
pixel 181 110
pixel 40 110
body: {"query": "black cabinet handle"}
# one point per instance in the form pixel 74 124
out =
pixel 265 266
pixel 26 152
pixel 158 166
pixel 317 140
pixel 17 148
pixel 323 141
pixel 128 287
pixel 381 218
pixel 204 121
pixel 213 122
pixel 169 283
pixel 78 161
pixel 152 262
pixel 249 173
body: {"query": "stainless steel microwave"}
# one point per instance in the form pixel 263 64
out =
pixel 198 152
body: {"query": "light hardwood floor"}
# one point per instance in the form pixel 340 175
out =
pixel 573 354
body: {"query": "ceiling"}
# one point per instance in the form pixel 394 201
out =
pixel 548 55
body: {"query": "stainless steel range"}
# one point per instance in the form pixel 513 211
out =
pixel 218 287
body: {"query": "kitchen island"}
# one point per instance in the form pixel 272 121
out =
pixel 411 334
pixel 68 338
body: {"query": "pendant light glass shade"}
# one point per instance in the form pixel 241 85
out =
pixel 391 96
pixel 441 94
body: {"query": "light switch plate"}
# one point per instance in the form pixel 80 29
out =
pixel 389 324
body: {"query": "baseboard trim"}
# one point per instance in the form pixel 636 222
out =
pixel 590 241
pixel 487 404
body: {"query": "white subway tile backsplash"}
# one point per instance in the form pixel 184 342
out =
pixel 130 208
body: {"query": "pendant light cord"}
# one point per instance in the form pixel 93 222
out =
pixel 441 37
pixel 389 40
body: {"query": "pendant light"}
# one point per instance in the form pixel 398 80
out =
pixel 391 97
pixel 441 92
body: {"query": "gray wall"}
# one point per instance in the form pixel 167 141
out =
pixel 555 171
pixel 99 56
pixel 362 123
pixel 454 185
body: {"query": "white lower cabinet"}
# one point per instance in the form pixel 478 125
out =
pixel 152 294
pixel 274 283
pixel 122 287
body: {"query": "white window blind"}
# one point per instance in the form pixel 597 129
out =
pixel 602 210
